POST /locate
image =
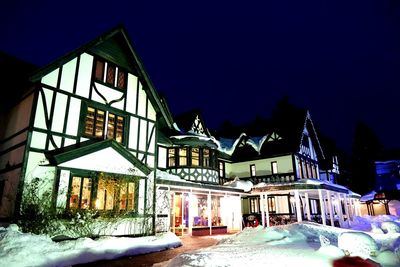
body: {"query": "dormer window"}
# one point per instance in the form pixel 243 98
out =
pixel 110 74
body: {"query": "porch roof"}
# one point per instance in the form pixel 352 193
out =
pixel 304 184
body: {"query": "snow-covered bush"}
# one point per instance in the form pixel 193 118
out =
pixel 36 214
pixel 388 258
pixel 329 250
pixel 358 244
pixel 390 227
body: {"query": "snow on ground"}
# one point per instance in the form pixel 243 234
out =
pixel 305 244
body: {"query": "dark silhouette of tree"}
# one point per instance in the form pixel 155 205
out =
pixel 366 149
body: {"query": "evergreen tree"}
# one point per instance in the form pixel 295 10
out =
pixel 366 149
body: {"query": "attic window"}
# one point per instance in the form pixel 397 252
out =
pixel 109 74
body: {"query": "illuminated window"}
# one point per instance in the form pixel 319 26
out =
pixel 95 124
pixel 171 157
pixel 126 196
pixel 200 211
pixel 206 157
pixel 252 170
pixel 254 205
pixel 314 206
pixel 274 167
pixel 115 127
pixel 106 194
pixel 271 204
pixel 221 169
pixel 195 157
pixel 182 157
pixel 80 193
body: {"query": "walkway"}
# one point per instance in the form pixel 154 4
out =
pixel 159 259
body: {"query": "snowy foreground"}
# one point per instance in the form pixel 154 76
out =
pixel 299 244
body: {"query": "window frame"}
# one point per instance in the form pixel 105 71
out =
pixel 182 157
pixel 104 125
pixel 253 170
pixel 221 168
pixel 94 191
pixel 171 156
pixel 81 183
pixel 274 167
pixel 192 149
pixel 106 69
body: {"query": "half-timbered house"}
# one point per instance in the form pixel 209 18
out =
pixel 197 202
pixel 91 130
pixel 284 167
pixel 87 125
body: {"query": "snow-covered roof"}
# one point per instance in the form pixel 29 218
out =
pixel 240 184
pixel 368 197
pixel 228 146
pixel 175 179
pixel 310 182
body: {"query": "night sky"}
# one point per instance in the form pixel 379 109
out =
pixel 235 60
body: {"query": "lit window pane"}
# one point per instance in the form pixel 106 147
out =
pixel 253 170
pixel 75 191
pixel 131 195
pixel 123 196
pixel 86 190
pixel 171 157
pixel 195 157
pixel 274 165
pixel 99 123
pixel 89 122
pixel 120 129
pixel 111 126
pixel 182 156
pixel 105 194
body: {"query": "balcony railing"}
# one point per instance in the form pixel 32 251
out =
pixel 272 178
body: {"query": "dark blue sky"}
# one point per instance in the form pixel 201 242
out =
pixel 235 60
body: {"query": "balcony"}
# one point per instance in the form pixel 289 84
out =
pixel 272 178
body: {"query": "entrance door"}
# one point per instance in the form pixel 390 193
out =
pixel 179 213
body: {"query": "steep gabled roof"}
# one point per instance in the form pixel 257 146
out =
pixel 115 46
pixel 191 122
pixel 287 134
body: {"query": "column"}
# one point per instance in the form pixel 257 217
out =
pixel 190 217
pixel 298 209
pixel 307 207
pixel 209 210
pixel 267 209
pixel 322 205
pixel 339 209
pixel 358 211
pixel 262 201
pixel 346 209
pixel 328 196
